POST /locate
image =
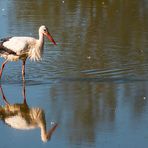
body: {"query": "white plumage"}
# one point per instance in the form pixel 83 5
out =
pixel 15 48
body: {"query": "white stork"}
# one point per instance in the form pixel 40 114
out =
pixel 15 48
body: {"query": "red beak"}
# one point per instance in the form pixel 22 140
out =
pixel 50 38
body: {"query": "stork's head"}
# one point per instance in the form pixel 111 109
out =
pixel 44 30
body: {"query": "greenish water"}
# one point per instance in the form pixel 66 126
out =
pixel 93 84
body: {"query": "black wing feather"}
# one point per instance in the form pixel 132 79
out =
pixel 3 49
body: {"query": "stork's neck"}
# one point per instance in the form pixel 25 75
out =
pixel 41 40
pixel 36 52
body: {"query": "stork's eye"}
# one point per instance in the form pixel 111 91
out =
pixel 45 30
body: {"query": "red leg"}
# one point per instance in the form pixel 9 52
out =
pixel 3 96
pixel 23 70
pixel 24 93
pixel 2 67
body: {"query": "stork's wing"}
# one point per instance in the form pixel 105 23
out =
pixel 4 40
pixel 5 50
pixel 17 44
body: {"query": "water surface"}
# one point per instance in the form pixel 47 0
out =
pixel 93 84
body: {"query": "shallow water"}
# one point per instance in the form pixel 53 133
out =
pixel 93 84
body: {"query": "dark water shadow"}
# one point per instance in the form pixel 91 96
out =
pixel 74 79
pixel 101 80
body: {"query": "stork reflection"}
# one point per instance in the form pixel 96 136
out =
pixel 22 117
